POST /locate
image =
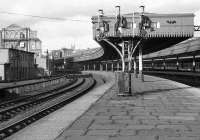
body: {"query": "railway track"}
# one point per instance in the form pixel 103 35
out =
pixel 32 111
pixel 12 111
pixel 188 78
pixel 23 99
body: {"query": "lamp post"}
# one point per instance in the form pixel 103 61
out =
pixel 100 15
pixel 117 28
pixel 118 32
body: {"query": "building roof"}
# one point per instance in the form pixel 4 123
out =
pixel 16 50
pixel 67 49
pixel 188 46
pixel 14 26
pixel 36 39
pixel 137 14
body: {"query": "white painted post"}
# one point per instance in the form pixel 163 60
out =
pixel 129 56
pixel 194 64
pixel 135 66
pixel 101 67
pixel 112 66
pixel 123 65
pixel 140 64
pixel 177 63
pixel 123 61
pixel 94 66
pixel 118 66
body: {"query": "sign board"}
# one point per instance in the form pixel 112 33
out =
pixel 22 44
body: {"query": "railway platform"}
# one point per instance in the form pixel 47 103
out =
pixel 162 110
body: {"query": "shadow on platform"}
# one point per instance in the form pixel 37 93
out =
pixel 160 90
pixel 154 80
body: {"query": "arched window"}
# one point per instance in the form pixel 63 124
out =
pixel 22 35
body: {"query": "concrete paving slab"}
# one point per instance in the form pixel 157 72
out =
pixel 161 110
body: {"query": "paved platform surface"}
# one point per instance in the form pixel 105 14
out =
pixel 162 110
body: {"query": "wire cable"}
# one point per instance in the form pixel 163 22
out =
pixel 42 17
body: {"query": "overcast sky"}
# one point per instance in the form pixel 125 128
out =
pixel 56 34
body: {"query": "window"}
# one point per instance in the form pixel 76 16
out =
pixel 22 36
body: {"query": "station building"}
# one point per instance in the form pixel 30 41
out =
pixel 62 53
pixel 16 65
pixel 24 39
pixel 21 38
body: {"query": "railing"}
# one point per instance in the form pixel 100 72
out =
pixel 24 88
pixel 90 55
pixel 149 35
pixel 29 87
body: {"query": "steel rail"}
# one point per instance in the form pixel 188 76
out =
pixel 31 97
pixel 13 111
pixel 23 122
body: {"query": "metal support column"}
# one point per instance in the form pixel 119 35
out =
pixel 129 56
pixel 106 66
pixel 194 64
pixel 94 67
pixel 177 64
pixel 123 65
pixel 140 64
pixel 152 64
pixel 84 67
pixel 118 66
pixel 88 67
pixel 101 67
pixel 164 64
pixel 135 66
pixel 112 66
pixel 123 58
pixel 129 66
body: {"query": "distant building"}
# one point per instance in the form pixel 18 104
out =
pixel 21 38
pixel 62 53
pixel 42 65
pixel 16 65
pixel 56 54
pixel 66 52
pixel 25 39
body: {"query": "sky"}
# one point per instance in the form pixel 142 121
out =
pixel 56 34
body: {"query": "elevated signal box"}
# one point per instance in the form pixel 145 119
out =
pixel 162 25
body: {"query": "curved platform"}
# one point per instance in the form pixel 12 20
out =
pixel 163 110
